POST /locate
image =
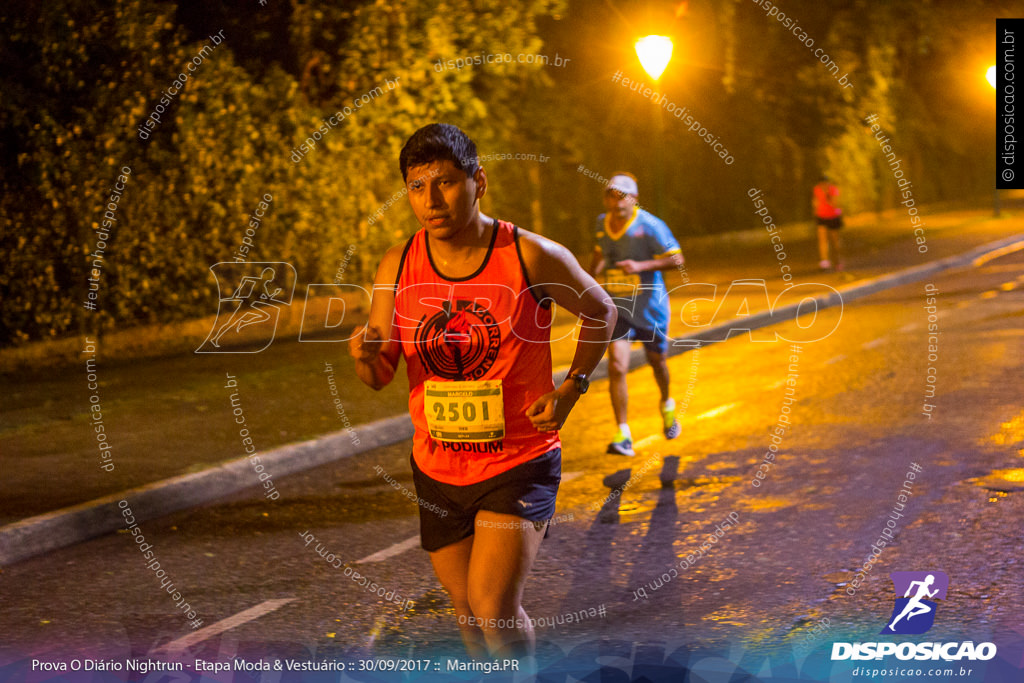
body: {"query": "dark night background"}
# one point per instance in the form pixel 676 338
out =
pixel 79 77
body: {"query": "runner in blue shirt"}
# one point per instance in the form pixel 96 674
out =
pixel 633 247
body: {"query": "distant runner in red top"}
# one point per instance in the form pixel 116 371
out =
pixel 467 301
pixel 829 215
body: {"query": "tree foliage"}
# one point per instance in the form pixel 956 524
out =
pixel 80 77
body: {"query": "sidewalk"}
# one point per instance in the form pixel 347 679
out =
pixel 206 469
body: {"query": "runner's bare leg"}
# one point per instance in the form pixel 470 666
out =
pixel 451 564
pixel 618 369
pixel 503 553
pixel 822 243
pixel 658 363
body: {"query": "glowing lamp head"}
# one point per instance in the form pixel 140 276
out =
pixel 654 53
pixel 991 75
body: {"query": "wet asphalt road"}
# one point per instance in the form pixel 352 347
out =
pixel 857 424
pixel 172 415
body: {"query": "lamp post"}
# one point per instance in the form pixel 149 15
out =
pixel 654 53
pixel 990 75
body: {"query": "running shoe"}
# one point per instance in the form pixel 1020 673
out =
pixel 622 445
pixel 669 422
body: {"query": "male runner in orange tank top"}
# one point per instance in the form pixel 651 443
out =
pixel 467 302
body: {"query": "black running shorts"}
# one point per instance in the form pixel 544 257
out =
pixel 448 512
pixel 831 223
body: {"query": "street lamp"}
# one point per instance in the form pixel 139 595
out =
pixel 654 52
pixel 990 75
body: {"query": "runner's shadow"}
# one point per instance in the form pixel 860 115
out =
pixel 616 481
pixel 597 564
pixel 594 567
pixel 656 552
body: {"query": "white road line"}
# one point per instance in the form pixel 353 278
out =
pixel 414 541
pixel 396 549
pixel 715 412
pixel 222 626
pixel 835 359
pixel 874 342
pixel 647 441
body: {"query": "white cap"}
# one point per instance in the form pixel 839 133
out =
pixel 624 184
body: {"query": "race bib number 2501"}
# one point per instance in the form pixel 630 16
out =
pixel 464 411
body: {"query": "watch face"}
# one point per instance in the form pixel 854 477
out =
pixel 582 383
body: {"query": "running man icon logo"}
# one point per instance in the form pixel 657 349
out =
pixel 914 613
pixel 257 293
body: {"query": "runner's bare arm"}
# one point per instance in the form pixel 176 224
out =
pixel 596 262
pixel 664 263
pixel 560 277
pixel 373 346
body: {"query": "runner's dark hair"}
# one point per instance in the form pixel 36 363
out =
pixel 439 142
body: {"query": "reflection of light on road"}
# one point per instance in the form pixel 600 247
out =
pixel 766 504
pixel 727 615
pixel 1014 475
pixel 1011 432
pixel 999 483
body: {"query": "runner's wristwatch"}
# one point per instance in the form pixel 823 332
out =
pixel 581 382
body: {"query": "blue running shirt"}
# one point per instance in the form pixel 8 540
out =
pixel 645 237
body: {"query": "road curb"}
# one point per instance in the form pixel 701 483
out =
pixel 843 295
pixel 67 526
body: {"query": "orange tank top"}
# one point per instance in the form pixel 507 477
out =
pixel 478 354
pixel 823 195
